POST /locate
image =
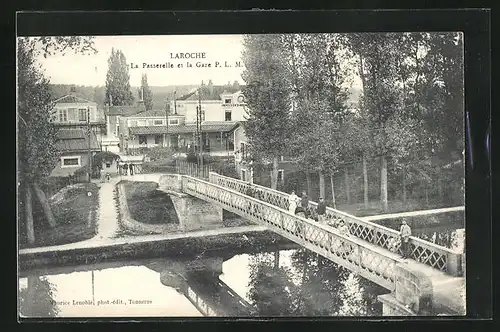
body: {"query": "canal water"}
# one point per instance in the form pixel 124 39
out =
pixel 293 282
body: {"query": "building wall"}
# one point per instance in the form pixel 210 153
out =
pixel 112 169
pixel 62 171
pixel 154 121
pixel 72 111
pixel 184 140
pixel 215 110
pixel 234 102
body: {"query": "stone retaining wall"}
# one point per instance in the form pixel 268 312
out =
pixel 134 225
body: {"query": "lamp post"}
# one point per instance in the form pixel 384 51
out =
pixel 167 107
pixel 175 103
pixel 200 131
pixel 89 147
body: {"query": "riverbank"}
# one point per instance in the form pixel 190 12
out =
pixel 173 245
pixel 75 213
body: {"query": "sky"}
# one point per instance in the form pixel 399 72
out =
pixel 91 70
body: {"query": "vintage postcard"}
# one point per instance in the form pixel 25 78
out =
pixel 260 175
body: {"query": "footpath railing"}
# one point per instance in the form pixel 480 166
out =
pixel 365 259
pixel 438 257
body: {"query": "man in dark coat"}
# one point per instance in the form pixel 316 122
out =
pixel 321 210
pixel 304 203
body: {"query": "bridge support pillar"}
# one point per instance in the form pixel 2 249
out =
pixel 193 212
pixel 413 294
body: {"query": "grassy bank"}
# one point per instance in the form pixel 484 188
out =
pixel 149 205
pixel 75 213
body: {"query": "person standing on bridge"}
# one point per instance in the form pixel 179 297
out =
pixel 304 203
pixel 292 202
pixel 321 210
pixel 405 233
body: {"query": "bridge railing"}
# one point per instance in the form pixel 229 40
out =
pixel 366 259
pixel 441 258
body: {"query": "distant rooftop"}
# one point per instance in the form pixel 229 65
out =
pixel 70 99
pixel 75 139
pixel 124 110
pixel 151 113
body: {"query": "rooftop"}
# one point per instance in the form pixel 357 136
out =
pixel 124 110
pixel 152 113
pixel 212 126
pixel 70 140
pixel 71 99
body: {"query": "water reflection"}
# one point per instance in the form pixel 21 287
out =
pixel 281 283
pixel 309 285
pixel 36 298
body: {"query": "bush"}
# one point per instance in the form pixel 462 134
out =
pixel 191 157
pixel 160 153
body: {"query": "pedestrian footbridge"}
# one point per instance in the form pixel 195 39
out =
pixel 431 282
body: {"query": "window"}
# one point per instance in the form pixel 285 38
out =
pixel 173 121
pixel 133 123
pixel 281 175
pixel 82 115
pixel 158 122
pixel 228 116
pixel 70 161
pixel 63 115
pixel 158 139
pixel 143 139
pixel 141 123
pixel 227 101
pixel 243 175
pixel 108 164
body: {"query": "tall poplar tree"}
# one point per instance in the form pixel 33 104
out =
pixel 145 93
pixel 118 80
pixel 268 99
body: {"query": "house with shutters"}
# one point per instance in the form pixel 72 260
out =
pixel 76 119
pixel 72 112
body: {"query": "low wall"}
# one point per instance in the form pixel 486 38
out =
pixel 186 246
pixel 131 224
pixel 455 218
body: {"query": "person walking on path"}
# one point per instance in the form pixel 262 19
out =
pixel 321 210
pixel 405 233
pixel 131 169
pixel 292 202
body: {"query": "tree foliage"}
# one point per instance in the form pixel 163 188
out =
pixel 145 93
pixel 37 134
pixel 267 96
pixel 118 80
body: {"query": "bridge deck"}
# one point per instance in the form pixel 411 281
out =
pixel 368 259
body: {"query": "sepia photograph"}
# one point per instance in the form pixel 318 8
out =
pixel 241 175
